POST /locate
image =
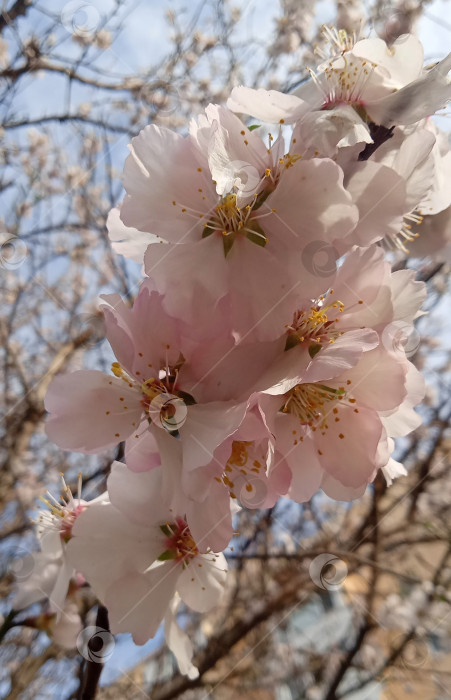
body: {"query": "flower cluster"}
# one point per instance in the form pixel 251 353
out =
pixel 264 354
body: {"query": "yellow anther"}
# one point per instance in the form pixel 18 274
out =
pixel 116 369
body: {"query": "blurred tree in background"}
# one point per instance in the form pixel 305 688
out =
pixel 324 600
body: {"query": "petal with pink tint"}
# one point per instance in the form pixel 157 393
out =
pixel 348 446
pixel 141 451
pixel 408 295
pixel 132 494
pixel 237 157
pixel 268 105
pixel 118 324
pixel 336 490
pixel 367 381
pixel 126 240
pixel 178 641
pixel 90 411
pixel 327 131
pixel 168 265
pixel 201 583
pixel 263 284
pixel 417 100
pixel 404 418
pixel 162 176
pixel 380 195
pixel 206 427
pixel 103 533
pixel 301 458
pixel 311 205
pixel 346 351
pixel 402 61
pixel 137 602
pixel 210 522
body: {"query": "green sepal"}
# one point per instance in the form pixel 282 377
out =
pixel 314 349
pixel 259 239
pixel 166 530
pixel 252 127
pixel 186 398
pixel 208 230
pixel 292 341
pixel 168 555
pixel 227 242
pixel 262 197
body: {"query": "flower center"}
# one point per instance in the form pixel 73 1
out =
pixel 311 403
pixel 62 515
pixel 338 41
pixel 314 325
pixel 179 542
pixel 231 221
pixel 342 78
pixel 164 405
pixel 240 466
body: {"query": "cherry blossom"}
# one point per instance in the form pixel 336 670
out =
pixel 233 202
pixel 245 371
pixel 333 411
pixel 48 574
pixel 386 84
pixel 154 385
pixel 147 553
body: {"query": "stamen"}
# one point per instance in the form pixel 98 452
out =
pixel 314 325
pixel 396 241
